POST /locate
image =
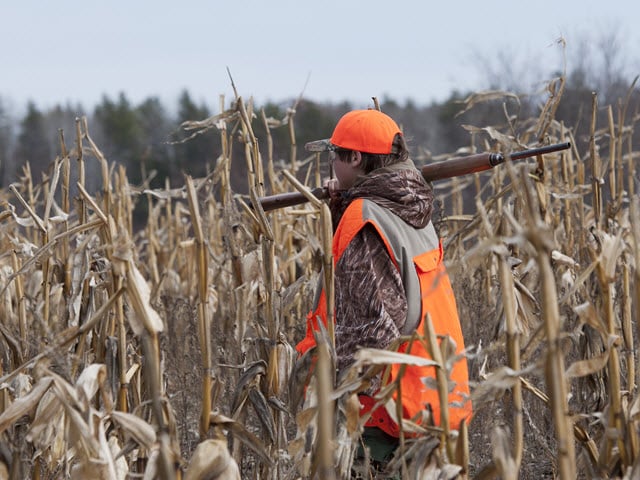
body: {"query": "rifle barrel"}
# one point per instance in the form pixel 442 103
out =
pixel 454 167
pixel 458 166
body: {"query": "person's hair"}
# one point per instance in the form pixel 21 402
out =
pixel 370 161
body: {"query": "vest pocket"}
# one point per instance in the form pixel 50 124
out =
pixel 428 261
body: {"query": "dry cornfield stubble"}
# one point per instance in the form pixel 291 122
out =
pixel 167 351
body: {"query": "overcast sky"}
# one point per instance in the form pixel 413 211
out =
pixel 76 51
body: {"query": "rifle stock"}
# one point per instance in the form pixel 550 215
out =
pixel 453 167
pixel 281 200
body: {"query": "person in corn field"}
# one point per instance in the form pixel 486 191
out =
pixel 389 272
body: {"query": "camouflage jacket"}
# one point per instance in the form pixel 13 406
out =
pixel 370 302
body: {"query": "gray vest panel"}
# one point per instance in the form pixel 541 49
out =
pixel 406 243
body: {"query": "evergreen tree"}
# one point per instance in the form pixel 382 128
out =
pixel 33 144
pixel 156 127
pixel 122 135
pixel 195 156
pixel 5 144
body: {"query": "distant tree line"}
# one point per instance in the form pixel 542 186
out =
pixel 147 139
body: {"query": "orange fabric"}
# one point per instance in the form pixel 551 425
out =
pixel 437 300
pixel 369 131
pixel 312 325
pixel 379 417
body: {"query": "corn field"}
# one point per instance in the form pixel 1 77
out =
pixel 167 351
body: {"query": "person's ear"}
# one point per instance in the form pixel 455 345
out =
pixel 356 159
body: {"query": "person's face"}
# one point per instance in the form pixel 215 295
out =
pixel 347 170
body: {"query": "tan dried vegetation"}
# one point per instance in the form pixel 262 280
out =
pixel 168 352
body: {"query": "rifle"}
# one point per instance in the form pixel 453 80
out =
pixel 454 167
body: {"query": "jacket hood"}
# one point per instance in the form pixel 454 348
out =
pixel 399 188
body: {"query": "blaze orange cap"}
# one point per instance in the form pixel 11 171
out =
pixel 369 131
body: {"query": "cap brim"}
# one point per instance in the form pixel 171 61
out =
pixel 319 146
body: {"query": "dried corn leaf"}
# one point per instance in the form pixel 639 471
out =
pixel 286 357
pixel 136 428
pixel 352 413
pixel 299 378
pixel 495 384
pixel 145 317
pixel 47 430
pixel 91 378
pixel 81 432
pixel 131 372
pixel 634 411
pixel 580 281
pixel 374 356
pixel 582 368
pixel 201 126
pixel 106 450
pixel 248 380
pixel 242 434
pixel 121 467
pixel 278 404
pixel 502 457
pixel 407 425
pixel 166 194
pixel 151 470
pixel 486 96
pixel 612 248
pixel 563 259
pixel 263 411
pixel 21 385
pixel 24 405
pixel 212 461
pixel 57 447
pixel 449 471
pixel 307 416
pixel 525 309
pixel 94 470
pixel 587 314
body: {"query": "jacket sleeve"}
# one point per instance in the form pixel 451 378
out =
pixel 371 305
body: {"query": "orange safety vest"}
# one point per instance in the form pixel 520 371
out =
pixel 419 259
